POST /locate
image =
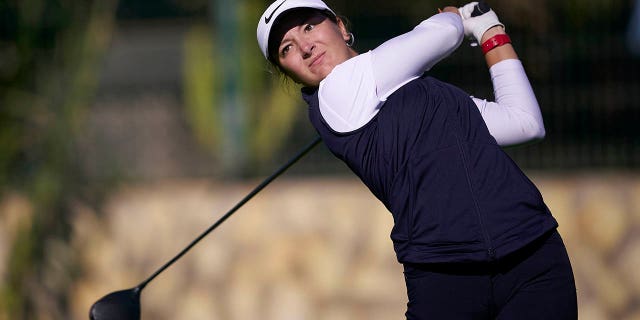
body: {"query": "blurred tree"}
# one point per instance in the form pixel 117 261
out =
pixel 49 58
pixel 227 62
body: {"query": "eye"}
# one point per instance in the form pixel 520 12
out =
pixel 308 27
pixel 284 50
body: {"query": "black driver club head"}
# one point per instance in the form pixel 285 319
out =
pixel 120 305
pixel 125 304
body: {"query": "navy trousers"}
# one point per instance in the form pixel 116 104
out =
pixel 535 282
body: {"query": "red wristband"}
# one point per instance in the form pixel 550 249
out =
pixel 495 41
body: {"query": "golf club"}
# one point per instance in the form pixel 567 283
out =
pixel 481 8
pixel 125 304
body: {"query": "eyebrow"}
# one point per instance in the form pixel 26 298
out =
pixel 298 26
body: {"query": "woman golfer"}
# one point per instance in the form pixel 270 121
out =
pixel 471 230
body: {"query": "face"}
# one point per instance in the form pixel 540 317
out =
pixel 311 46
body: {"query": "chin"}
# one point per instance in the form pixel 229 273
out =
pixel 313 82
pixel 323 74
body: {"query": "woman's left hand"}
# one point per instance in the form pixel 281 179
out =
pixel 476 26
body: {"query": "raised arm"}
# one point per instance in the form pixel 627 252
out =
pixel 408 56
pixel 352 93
pixel 514 118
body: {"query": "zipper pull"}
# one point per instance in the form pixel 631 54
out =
pixel 492 254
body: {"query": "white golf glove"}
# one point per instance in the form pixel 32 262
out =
pixel 475 27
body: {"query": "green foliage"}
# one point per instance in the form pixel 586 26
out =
pixel 201 82
pixel 273 107
pixel 268 109
pixel 54 47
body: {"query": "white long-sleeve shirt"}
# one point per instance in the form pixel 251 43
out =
pixel 352 94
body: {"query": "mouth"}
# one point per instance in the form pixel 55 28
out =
pixel 317 60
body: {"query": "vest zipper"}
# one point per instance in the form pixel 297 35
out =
pixel 491 253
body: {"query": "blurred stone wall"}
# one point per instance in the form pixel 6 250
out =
pixel 315 248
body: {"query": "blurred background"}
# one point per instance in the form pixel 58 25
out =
pixel 128 127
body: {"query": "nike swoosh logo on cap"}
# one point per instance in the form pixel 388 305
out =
pixel 267 19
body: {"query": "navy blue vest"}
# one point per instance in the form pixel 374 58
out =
pixel 454 194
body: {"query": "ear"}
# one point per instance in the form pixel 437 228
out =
pixel 343 30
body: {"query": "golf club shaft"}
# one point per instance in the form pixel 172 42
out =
pixel 248 197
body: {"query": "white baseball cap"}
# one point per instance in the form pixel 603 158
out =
pixel 276 9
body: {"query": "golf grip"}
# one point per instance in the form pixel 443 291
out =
pixel 244 200
pixel 480 9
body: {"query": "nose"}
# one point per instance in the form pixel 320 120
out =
pixel 307 48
